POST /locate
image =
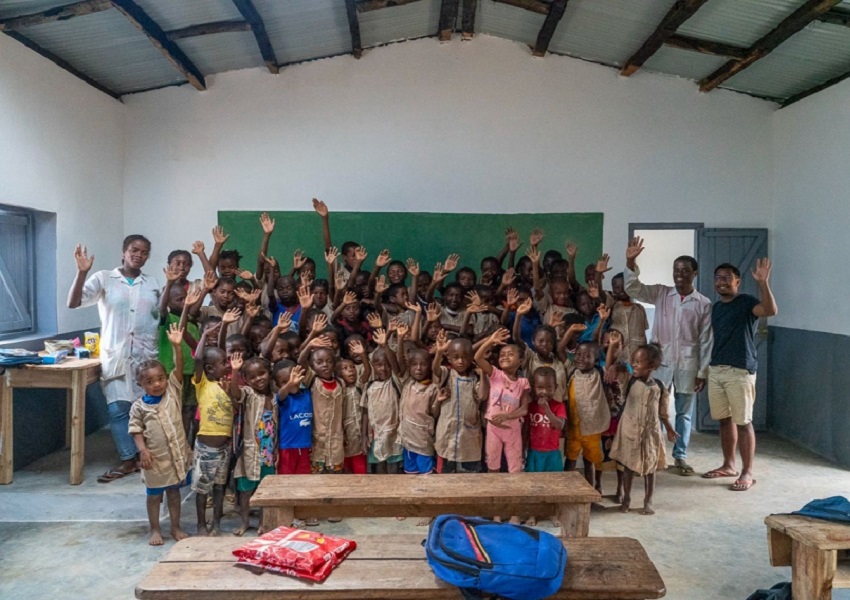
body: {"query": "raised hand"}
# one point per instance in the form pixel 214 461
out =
pixel 556 319
pixel 511 298
pixel 443 395
pixel 572 250
pixel 473 297
pixel 432 312
pixel 82 258
pixel 267 223
pixel 331 254
pixel 252 310
pixel 296 377
pixel 615 338
pixel 172 273
pixel 509 277
pixel 536 237
pixel 320 322
pixel 212 328
pixel 305 297
pixel 339 279
pixel 356 348
pixel 533 254
pixel 246 274
pixel 219 236
pixel 193 296
pixel 383 258
pixel 236 361
pixel 500 336
pixel 320 207
pixel 513 239
pixel 439 274
pixel 451 263
pixel 402 330
pixel 175 334
pixel 374 320
pixel 524 308
pixel 323 341
pixel 247 297
pixel 761 272
pixel 442 341
pixel 360 254
pixel 602 264
pixel 412 267
pixel 593 290
pixel 604 312
pixel 576 328
pixel 477 308
pixel 381 285
pixel 392 325
pixel 231 316
pixel 297 259
pixel 634 248
pixel 380 337
pixel 271 261
pixel 210 280
pixel 198 247
pixel 415 307
pixel 349 298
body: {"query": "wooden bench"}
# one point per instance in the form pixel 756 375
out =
pixel 387 566
pixel 816 550
pixel 566 496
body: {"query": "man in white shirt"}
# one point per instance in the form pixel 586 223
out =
pixel 682 327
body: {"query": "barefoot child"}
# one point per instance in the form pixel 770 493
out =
pixel 212 445
pixel 259 430
pixel 156 424
pixel 542 350
pixel 639 443
pixel 355 446
pixel 380 403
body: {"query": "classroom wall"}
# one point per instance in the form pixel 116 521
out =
pixel 476 126
pixel 811 346
pixel 61 152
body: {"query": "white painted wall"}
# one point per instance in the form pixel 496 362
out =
pixel 62 151
pixel 460 127
pixel 811 241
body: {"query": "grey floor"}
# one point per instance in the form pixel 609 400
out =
pixel 90 541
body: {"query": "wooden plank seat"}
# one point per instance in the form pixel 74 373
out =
pixel 387 566
pixel 566 496
pixel 816 550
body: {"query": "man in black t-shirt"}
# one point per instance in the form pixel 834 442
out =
pixel 732 372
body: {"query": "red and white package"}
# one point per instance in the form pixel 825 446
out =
pixel 304 554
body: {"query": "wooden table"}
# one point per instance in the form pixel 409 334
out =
pixel 566 496
pixel 816 550
pixel 73 375
pixel 387 566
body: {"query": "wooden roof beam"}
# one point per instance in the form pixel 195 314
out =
pixel 62 63
pixel 367 5
pixel 553 17
pixel 836 17
pixel 467 29
pixel 354 28
pixel 59 13
pixel 684 42
pixel 250 14
pixel 158 38
pixel 448 18
pixel 678 14
pixel 541 8
pixel 208 29
pixel 795 22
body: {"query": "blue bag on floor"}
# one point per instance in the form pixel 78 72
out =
pixel 834 508
pixel 780 591
pixel 511 561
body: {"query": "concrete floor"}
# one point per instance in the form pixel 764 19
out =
pixel 90 541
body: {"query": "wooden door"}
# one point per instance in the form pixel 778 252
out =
pixel 740 247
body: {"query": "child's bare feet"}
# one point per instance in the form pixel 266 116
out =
pixel 624 507
pixel 203 531
pixel 618 498
pixel 596 507
pixel 156 538
pixel 555 522
pixel 532 521
pixel 215 531
pixel 240 531
pixel 178 534
pixel 424 522
pixel 514 521
pixel 260 530
pixel 497 519
pixel 647 509
pixel 400 518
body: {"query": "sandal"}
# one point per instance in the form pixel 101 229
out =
pixel 113 474
pixel 718 473
pixel 742 486
pixel 311 522
pixel 684 468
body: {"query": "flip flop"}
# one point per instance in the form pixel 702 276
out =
pixel 717 474
pixel 742 486
pixel 112 475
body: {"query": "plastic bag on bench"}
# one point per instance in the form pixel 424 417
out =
pixel 511 561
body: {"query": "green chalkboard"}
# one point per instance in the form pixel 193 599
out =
pixel 426 237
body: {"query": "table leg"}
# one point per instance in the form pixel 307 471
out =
pixel 574 519
pixel 811 572
pixel 277 516
pixel 6 434
pixel 78 426
pixel 69 416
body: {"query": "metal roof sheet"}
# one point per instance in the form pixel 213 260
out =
pixel 109 49
pixel 415 20
pixel 16 8
pixel 223 51
pixel 683 63
pixel 305 29
pixel 177 14
pixel 738 22
pixel 508 22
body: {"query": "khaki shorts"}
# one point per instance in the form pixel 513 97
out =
pixel 731 393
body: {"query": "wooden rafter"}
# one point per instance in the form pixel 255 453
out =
pixel 836 17
pixel 207 29
pixel 62 63
pixel 541 8
pixel 684 42
pixel 678 14
pixel 59 13
pixel 801 17
pixel 468 19
pixel 250 14
pixel 814 90
pixel 448 18
pixel 354 28
pixel 556 12
pixel 157 37
pixel 367 5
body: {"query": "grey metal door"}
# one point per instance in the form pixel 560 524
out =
pixel 740 247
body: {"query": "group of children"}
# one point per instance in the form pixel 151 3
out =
pixel 365 372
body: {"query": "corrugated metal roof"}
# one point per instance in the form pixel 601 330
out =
pixel 16 8
pixel 692 65
pixel 305 29
pixel 223 51
pixel 415 20
pixel 109 49
pixel 816 54
pixel 508 22
pixel 177 14
pixel 738 22
pixel 607 31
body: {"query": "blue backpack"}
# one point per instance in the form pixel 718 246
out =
pixel 511 561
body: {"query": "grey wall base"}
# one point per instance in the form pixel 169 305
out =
pixel 809 382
